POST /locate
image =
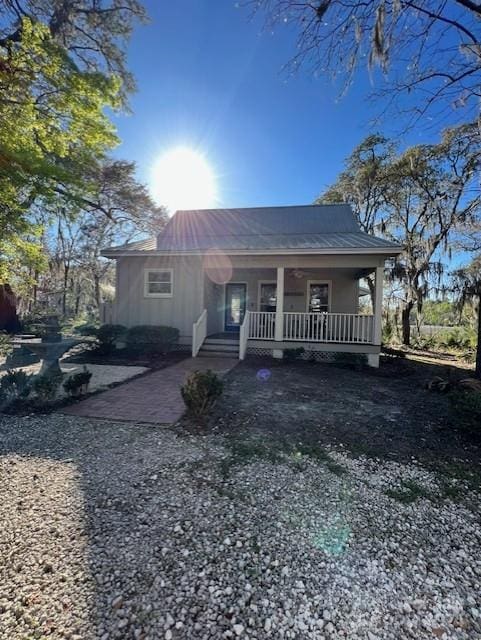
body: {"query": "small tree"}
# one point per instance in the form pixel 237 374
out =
pixel 467 286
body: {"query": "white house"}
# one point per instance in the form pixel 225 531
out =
pixel 257 280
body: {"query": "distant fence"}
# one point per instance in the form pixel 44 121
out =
pixel 430 329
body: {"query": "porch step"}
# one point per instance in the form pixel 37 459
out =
pixel 218 354
pixel 224 347
pixel 221 341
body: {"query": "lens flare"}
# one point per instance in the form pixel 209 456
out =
pixel 183 179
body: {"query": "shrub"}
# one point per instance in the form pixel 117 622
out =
pixel 87 329
pixel 466 408
pixel 107 336
pixel 15 384
pixel 293 354
pixel 77 382
pixel 6 347
pixel 201 391
pixel 151 339
pixel 351 360
pixel 46 386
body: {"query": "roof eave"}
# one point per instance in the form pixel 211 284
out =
pixel 386 251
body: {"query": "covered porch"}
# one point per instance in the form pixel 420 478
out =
pixel 313 303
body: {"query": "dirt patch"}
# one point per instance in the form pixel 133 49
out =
pixel 384 413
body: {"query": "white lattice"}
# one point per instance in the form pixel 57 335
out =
pixel 258 351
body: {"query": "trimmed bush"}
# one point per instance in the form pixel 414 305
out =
pixel 151 339
pixel 86 329
pixel 108 335
pixel 78 383
pixel 46 386
pixel 200 392
pixel 15 384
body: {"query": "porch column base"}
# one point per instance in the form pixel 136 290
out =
pixel 278 354
pixel 373 360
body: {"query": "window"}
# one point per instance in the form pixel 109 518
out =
pixel 267 296
pixel 318 296
pixel 158 283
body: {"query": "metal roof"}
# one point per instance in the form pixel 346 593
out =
pixel 149 244
pixel 298 227
pixel 320 228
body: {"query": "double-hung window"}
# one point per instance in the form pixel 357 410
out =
pixel 158 283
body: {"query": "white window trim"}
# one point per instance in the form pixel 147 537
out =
pixel 146 283
pixel 259 288
pixel 329 292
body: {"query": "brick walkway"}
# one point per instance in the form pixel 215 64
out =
pixel 152 398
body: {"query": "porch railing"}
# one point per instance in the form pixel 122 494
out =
pixel 199 333
pixel 262 325
pixel 313 327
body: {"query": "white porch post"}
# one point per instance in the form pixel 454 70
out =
pixel 279 327
pixel 377 327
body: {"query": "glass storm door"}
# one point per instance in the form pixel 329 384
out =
pixel 235 305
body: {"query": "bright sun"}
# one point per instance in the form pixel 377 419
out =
pixel 183 179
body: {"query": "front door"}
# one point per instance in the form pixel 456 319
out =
pixel 235 305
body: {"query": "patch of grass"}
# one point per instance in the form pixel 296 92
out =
pixel 336 468
pixel 248 449
pixel 466 473
pixel 409 492
pixel 453 492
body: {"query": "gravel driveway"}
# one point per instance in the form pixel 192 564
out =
pixel 133 532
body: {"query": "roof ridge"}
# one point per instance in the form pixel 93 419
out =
pixel 280 233
pixel 267 206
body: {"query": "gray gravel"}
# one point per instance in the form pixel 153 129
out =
pixel 131 532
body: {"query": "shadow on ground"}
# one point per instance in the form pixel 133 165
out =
pixel 387 412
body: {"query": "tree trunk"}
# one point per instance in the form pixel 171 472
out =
pixel 8 310
pixel 65 287
pixel 97 290
pixel 372 291
pixel 478 347
pixel 77 299
pixel 406 325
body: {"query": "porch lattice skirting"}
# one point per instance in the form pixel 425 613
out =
pixel 318 356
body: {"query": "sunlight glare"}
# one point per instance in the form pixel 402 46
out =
pixel 183 179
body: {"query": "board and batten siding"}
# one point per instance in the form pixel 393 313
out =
pixel 179 311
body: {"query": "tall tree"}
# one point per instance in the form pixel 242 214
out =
pixel 426 49
pixel 76 236
pixel 61 63
pixel 363 185
pixel 429 197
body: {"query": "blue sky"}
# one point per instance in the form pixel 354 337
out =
pixel 210 77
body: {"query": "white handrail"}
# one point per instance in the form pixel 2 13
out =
pixel 328 327
pixel 199 333
pixel 350 328
pixel 243 336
